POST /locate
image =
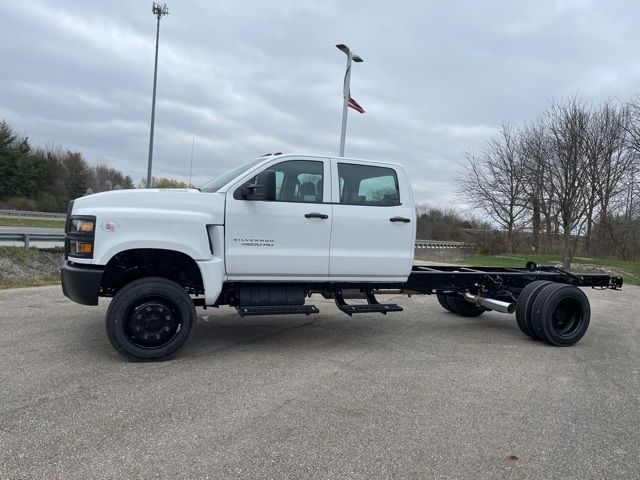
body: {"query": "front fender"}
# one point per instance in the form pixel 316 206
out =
pixel 108 254
pixel 184 232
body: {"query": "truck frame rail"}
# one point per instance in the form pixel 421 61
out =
pixel 434 279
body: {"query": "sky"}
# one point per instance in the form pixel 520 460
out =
pixel 243 78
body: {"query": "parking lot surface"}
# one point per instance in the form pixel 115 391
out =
pixel 417 394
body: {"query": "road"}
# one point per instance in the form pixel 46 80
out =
pixel 420 394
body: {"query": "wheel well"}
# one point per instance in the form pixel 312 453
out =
pixel 131 265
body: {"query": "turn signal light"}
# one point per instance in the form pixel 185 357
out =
pixel 85 247
pixel 80 248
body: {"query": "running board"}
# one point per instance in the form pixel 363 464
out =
pixel 276 310
pixel 379 308
pixel 372 305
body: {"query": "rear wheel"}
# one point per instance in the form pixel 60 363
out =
pixel 460 306
pixel 442 299
pixel 150 319
pixel 525 303
pixel 560 315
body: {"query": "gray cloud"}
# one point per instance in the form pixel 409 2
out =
pixel 245 78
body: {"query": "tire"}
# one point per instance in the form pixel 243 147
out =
pixel 460 306
pixel 560 315
pixel 442 299
pixel 453 306
pixel 150 319
pixel 525 303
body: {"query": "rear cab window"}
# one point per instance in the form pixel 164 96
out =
pixel 368 185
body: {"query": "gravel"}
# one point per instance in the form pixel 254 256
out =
pixel 19 266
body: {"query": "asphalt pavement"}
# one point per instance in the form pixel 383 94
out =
pixel 419 394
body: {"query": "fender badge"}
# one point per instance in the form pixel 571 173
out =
pixel 109 226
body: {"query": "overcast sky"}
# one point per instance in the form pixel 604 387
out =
pixel 250 77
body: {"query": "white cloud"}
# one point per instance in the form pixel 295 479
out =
pixel 245 78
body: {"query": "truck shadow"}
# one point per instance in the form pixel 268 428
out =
pixel 226 332
pixel 300 334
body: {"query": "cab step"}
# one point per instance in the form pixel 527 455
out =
pixel 380 307
pixel 372 305
pixel 245 311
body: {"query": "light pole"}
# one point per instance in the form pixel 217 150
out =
pixel 346 91
pixel 159 11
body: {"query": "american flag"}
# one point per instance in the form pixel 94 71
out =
pixel 355 105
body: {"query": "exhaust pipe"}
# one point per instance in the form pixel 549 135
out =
pixel 497 305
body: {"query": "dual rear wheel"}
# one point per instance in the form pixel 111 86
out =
pixel 555 313
pixel 457 304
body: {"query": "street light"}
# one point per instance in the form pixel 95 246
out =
pixel 159 11
pixel 346 91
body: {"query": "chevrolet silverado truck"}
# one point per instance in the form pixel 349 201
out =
pixel 267 236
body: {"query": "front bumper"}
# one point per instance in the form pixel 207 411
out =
pixel 81 283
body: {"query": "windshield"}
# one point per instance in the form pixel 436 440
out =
pixel 217 183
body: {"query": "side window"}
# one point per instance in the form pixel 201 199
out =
pixel 299 181
pixel 367 185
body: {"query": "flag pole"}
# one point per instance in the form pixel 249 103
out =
pixel 345 103
pixel 346 91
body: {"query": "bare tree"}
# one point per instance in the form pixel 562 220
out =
pixel 609 159
pixel 493 179
pixel 534 149
pixel 568 173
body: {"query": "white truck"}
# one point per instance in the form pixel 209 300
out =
pixel 266 236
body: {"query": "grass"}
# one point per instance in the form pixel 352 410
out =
pixel 31 222
pixel 40 282
pixel 630 271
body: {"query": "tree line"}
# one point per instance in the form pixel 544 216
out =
pixel 567 182
pixel 435 223
pixel 46 179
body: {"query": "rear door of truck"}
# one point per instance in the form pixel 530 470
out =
pixel 373 230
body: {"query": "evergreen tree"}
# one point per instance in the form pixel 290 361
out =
pixel 8 161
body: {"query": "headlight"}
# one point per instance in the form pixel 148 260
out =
pixel 82 226
pixel 80 236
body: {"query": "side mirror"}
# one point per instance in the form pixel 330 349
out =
pixel 264 187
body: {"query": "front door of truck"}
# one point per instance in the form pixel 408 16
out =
pixel 285 239
pixel 373 230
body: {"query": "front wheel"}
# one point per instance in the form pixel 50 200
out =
pixel 150 319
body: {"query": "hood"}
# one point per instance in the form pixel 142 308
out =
pixel 156 203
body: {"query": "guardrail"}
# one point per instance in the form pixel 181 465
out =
pixel 27 238
pixel 29 213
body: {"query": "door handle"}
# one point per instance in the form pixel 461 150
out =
pixel 400 219
pixel 316 215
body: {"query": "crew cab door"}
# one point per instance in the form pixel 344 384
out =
pixel 373 231
pixel 285 239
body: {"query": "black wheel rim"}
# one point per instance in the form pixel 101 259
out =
pixel 567 317
pixel 152 322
